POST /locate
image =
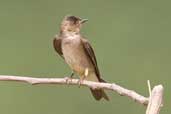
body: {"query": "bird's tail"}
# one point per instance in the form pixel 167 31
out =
pixel 99 94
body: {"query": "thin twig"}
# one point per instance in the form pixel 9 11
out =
pixel 95 85
pixel 149 87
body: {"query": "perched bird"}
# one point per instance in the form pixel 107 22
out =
pixel 78 53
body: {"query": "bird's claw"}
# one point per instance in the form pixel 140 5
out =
pixel 80 81
pixel 68 80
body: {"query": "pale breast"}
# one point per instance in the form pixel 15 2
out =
pixel 74 54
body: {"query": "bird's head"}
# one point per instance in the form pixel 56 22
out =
pixel 72 24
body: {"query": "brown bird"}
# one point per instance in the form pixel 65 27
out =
pixel 78 53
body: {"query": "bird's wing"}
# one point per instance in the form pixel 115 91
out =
pixel 57 45
pixel 90 53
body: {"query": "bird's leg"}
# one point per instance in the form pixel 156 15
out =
pixel 72 74
pixel 80 81
pixel 70 77
pixel 83 77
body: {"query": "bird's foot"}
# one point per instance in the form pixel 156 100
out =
pixel 80 81
pixel 83 77
pixel 69 79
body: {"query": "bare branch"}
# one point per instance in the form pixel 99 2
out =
pixel 95 85
pixel 156 100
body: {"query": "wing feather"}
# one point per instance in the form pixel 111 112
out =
pixel 57 44
pixel 90 53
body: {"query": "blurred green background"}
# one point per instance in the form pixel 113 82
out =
pixel 132 43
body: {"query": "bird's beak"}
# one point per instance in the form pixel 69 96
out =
pixel 84 20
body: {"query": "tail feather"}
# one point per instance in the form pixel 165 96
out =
pixel 99 94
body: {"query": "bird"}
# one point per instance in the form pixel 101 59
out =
pixel 78 53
